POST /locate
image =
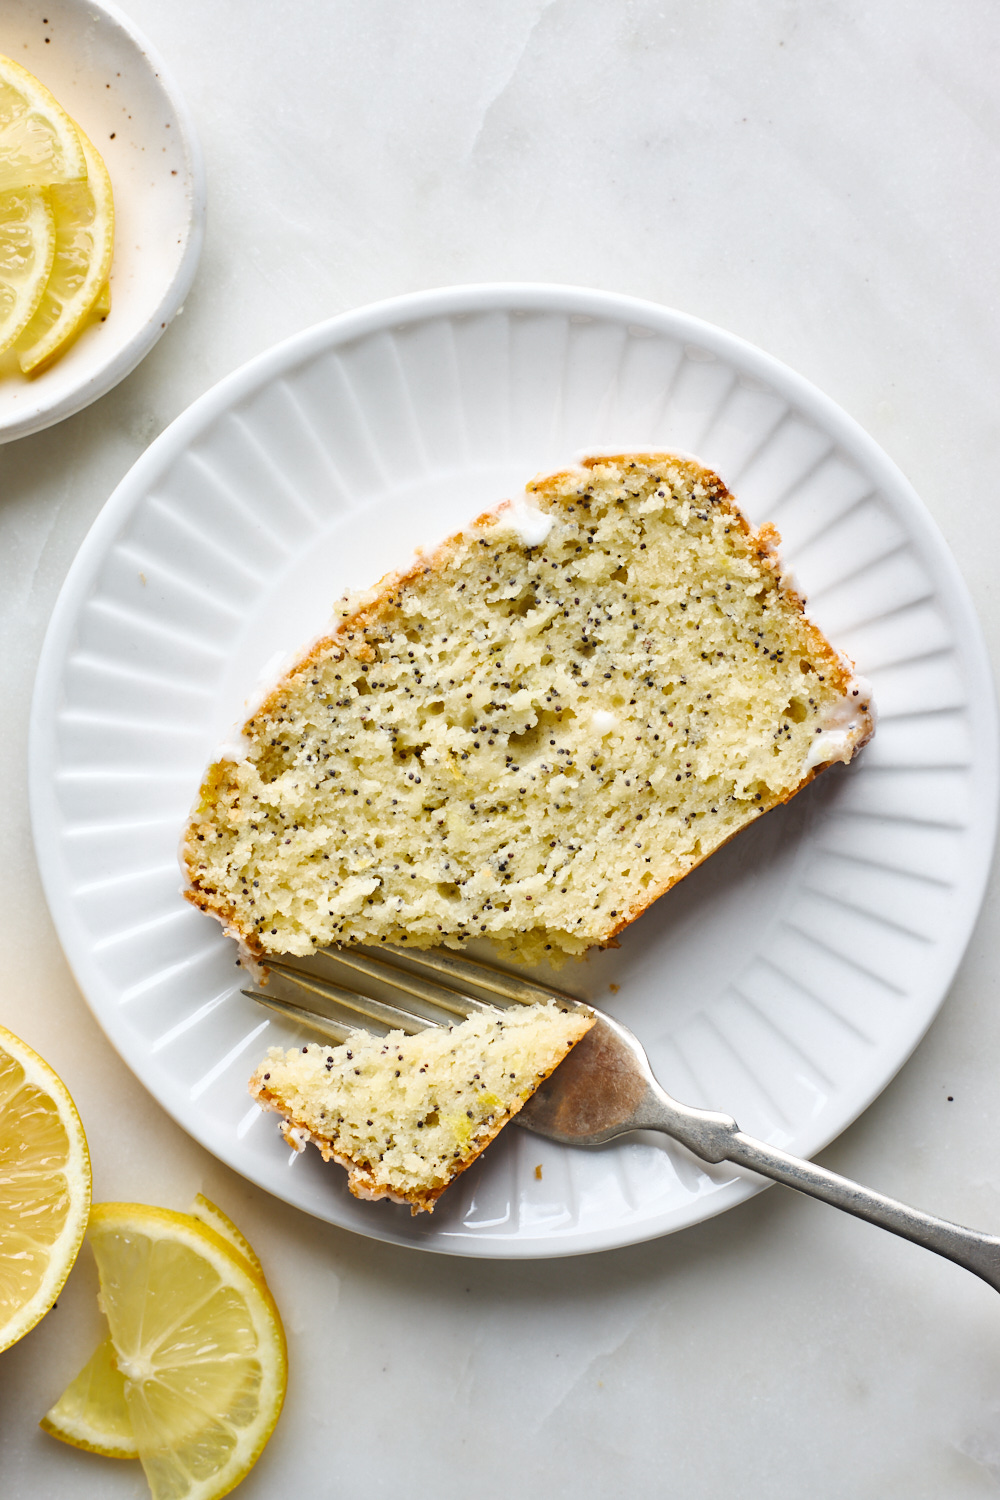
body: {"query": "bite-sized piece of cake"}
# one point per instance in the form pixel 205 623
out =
pixel 532 734
pixel 406 1114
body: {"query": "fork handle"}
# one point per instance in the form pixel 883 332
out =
pixel 717 1138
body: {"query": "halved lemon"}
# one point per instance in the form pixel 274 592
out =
pixel 199 1341
pixel 84 220
pixel 44 1187
pixel 39 143
pixel 27 250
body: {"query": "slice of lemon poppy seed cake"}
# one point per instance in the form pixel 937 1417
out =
pixel 406 1114
pixel 533 733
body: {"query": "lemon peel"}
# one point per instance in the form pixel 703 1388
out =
pixel 84 223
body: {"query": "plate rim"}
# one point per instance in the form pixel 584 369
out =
pixel 469 298
pixel 40 416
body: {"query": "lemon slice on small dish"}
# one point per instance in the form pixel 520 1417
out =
pixel 39 143
pixel 44 1187
pixel 84 220
pixel 198 1339
pixel 27 250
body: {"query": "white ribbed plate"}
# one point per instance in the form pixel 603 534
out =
pixel 785 981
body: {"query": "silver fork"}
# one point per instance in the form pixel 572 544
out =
pixel 603 1089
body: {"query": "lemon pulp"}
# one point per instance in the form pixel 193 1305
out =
pixel 39 143
pixel 27 249
pixel 92 1412
pixel 44 1187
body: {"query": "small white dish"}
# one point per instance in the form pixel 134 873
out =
pixel 104 72
pixel 784 981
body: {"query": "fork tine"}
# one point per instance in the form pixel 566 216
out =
pixel 445 997
pixel 485 977
pixel 393 1016
pixel 440 997
pixel 324 1026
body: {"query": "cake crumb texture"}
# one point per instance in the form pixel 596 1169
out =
pixel 406 1114
pixel 531 735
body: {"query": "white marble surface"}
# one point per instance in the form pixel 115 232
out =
pixel 821 180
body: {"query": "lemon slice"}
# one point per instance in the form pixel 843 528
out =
pixel 209 1213
pixel 39 144
pixel 199 1341
pixel 92 1412
pixel 27 248
pixel 44 1187
pixel 84 219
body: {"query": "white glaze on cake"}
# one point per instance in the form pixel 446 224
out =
pixel 529 524
pixel 846 726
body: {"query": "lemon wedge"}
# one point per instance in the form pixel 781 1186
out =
pixel 44 1187
pixel 199 1342
pixel 84 221
pixel 27 250
pixel 39 143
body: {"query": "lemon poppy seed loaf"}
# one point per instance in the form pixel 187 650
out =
pixel 406 1114
pixel 534 733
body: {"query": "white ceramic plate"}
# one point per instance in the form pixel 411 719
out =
pixel 785 981
pixel 104 72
